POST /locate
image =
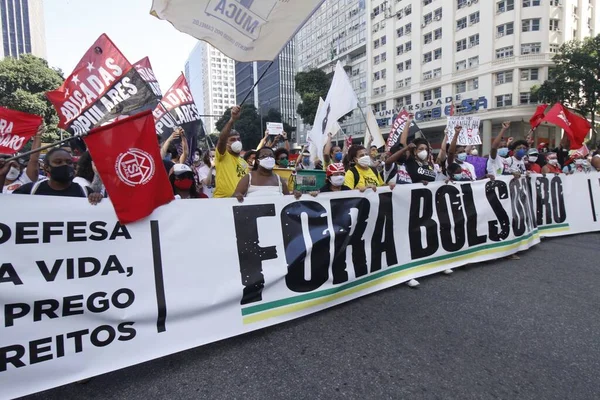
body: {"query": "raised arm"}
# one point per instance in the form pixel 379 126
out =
pixel 404 136
pixel 498 139
pixel 165 147
pixel 263 141
pixel 33 166
pixel 327 148
pixel 286 141
pixel 452 149
pixel 442 154
pixel 226 131
pixel 184 145
pixel 396 156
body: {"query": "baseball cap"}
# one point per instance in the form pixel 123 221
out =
pixel 179 169
pixel 334 168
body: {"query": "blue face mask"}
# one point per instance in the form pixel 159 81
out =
pixel 461 157
pixel 305 160
pixel 457 177
pixel 520 154
pixel 503 151
pixel 338 156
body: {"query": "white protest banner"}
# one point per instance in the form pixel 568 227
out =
pixel 469 136
pixel 245 30
pixel 81 295
pixel 275 128
pixel 372 131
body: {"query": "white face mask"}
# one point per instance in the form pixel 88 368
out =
pixel 337 180
pixel 196 158
pixel 364 161
pixel 553 162
pixel 533 159
pixel 422 155
pixel 13 173
pixel 579 162
pixel 236 147
pixel 267 163
pixel 474 152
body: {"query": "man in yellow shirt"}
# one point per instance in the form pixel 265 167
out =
pixel 230 167
pixel 361 176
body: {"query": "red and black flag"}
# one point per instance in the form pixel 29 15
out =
pixel 144 68
pixel 177 108
pixel 398 127
pixel 103 86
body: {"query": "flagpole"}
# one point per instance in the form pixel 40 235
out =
pixel 255 83
pixel 40 149
pixel 366 123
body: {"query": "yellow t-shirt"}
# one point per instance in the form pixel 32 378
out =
pixel 366 177
pixel 229 171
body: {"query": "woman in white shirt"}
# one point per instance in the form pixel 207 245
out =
pixel 262 181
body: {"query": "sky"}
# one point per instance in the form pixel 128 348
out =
pixel 72 26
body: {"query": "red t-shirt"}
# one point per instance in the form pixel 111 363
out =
pixel 533 167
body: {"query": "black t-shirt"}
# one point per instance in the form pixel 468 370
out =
pixel 44 189
pixel 327 188
pixel 419 172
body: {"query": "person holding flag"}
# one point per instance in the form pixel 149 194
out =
pixel 230 167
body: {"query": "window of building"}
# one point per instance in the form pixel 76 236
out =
pixel 400 32
pixel 437 73
pixel 399 50
pixel 427 18
pixel 426 2
pixel 380 106
pixel 461 45
pixel 525 98
pixel 554 48
pixel 428 38
pixel 530 25
pixel 376 43
pixel 437 34
pixel 383 57
pixel 427 57
pixel 408 82
pixel 437 54
pixel 504 100
pixel 427 95
pixel 461 23
pixel 383 41
pixel 461 4
pixel 531 48
pixel 504 77
pixel 505 29
pixel 437 92
pixel 427 75
pixel 505 5
pixel 408 9
pixel 460 65
pixel 400 67
pixel 460 87
pixel 437 14
pixel 530 74
pixel 555 3
pixel 376 60
pixel 408 64
pixel 531 3
pixel 474 40
pixel 554 25
pixel 383 74
pixel 474 18
pixel 473 61
pixel 408 46
pixel 376 76
pixel 473 84
pixel 505 52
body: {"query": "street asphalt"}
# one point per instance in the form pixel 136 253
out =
pixel 527 329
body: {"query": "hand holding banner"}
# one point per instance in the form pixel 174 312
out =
pixel 16 128
pixel 469 136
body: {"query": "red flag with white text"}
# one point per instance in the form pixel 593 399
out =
pixel 127 156
pixel 576 127
pixel 538 116
pixel 398 127
pixel 103 86
pixel 16 128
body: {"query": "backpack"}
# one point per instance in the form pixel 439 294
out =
pixel 357 176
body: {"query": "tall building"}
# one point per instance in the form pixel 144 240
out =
pixel 483 56
pixel 276 90
pixel 23 30
pixel 211 76
pixel 336 31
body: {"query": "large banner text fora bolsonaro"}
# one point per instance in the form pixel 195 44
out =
pixel 76 301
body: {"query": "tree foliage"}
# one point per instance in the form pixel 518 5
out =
pixel 23 84
pixel 311 85
pixel 575 79
pixel 248 125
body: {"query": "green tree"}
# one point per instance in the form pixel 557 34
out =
pixel 248 125
pixel 575 79
pixel 311 85
pixel 23 84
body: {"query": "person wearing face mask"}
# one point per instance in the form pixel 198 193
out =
pixel 181 177
pixel 305 161
pixel 552 166
pixel 18 176
pixel 497 164
pixel 230 167
pixel 458 154
pixel 362 175
pixel 58 165
pixel 282 158
pixel 335 179
pixel 455 173
pixel 204 174
pixel 261 181
pixel 332 153
pixel 417 162
pixel 533 158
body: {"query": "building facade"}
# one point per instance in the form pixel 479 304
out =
pixel 211 76
pixel 23 29
pixel 276 90
pixel 482 56
pixel 336 31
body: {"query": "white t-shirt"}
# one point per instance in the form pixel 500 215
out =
pixel 82 181
pixel 203 172
pixel 505 166
pixel 468 171
pixel 402 177
pixel 20 181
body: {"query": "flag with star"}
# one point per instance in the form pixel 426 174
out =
pixel 103 86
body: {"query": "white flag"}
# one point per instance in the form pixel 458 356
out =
pixel 341 99
pixel 245 30
pixel 373 128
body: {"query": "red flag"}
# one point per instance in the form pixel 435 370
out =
pixel 127 157
pixel 538 116
pixel 398 127
pixel 576 127
pixel 102 86
pixel 144 68
pixel 16 128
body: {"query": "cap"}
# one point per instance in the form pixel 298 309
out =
pixel 532 152
pixel 179 169
pixel 334 168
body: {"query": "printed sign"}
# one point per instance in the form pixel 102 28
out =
pixel 275 128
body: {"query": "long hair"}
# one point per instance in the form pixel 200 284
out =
pixel 417 142
pixel 352 151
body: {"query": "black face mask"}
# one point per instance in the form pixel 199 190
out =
pixel 62 174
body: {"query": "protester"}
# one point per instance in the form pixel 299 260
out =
pixel 250 157
pixel 394 168
pixel 552 166
pixel 456 173
pixel 362 176
pixel 417 162
pixel 282 158
pixel 499 161
pixel 533 161
pixel 458 154
pixel 261 181
pixel 84 173
pixel 230 167
pixel 375 160
pixel 332 153
pixel 58 165
pixel 335 179
pixel 168 150
pixel 204 173
pixel 596 161
pixel 18 174
pixel 305 161
pixel 181 177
